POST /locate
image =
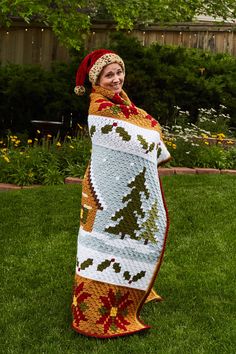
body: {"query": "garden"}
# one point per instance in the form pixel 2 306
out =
pixel 193 95
pixel 47 160
pixel 190 92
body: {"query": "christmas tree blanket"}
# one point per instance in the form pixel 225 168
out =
pixel 124 223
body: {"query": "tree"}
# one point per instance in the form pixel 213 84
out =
pixel 71 19
pixel 129 215
pixel 150 226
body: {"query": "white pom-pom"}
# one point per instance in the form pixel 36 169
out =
pixel 79 90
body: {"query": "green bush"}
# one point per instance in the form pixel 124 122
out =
pixel 201 145
pixel 162 77
pixel 32 93
pixel 159 78
pixel 47 162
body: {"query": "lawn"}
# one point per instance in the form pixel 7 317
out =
pixel 197 279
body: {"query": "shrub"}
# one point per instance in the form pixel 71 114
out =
pixel 192 145
pixel 159 78
pixel 32 93
pixel 162 77
pixel 47 162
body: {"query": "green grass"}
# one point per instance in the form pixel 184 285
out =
pixel 197 279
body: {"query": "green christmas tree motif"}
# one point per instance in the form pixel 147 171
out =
pixel 149 226
pixel 128 216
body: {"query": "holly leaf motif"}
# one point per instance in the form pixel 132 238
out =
pixel 158 152
pixel 107 129
pixel 138 276
pixel 143 142
pixel 103 265
pixel 117 267
pixel 86 263
pixel 123 133
pixel 92 130
pixel 127 275
pixel 151 147
pixel 115 109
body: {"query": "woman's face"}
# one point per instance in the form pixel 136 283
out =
pixel 112 78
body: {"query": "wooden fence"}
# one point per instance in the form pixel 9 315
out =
pixel 36 44
pixel 209 36
pixel 21 44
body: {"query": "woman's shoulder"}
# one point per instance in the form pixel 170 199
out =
pixel 98 103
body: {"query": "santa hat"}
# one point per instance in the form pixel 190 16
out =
pixel 92 65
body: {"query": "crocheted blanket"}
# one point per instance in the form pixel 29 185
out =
pixel 124 220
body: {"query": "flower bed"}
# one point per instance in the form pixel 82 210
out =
pixel 47 160
pixel 44 160
pixel 191 145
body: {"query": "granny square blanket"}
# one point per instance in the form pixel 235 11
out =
pixel 124 222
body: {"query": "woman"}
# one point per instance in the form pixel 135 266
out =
pixel 124 221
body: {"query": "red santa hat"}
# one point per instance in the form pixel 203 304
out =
pixel 92 65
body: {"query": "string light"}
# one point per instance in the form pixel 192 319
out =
pixel 26 29
pixel 42 29
pixel 94 33
pixel 7 33
pixel 144 38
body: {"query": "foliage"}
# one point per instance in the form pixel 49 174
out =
pixel 45 162
pixel 71 19
pixel 162 77
pixel 158 79
pixel 32 93
pixel 191 145
pixel 49 160
pixel 38 246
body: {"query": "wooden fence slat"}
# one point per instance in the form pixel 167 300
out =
pixel 21 44
pixel 19 52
